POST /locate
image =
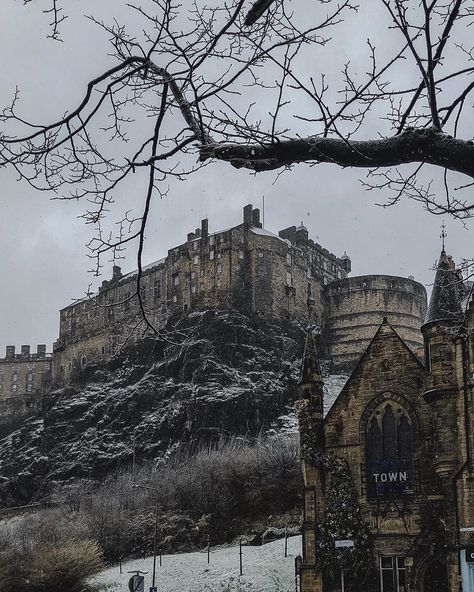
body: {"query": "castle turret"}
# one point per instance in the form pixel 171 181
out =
pixel 346 262
pixel 440 330
pixel 301 235
pixel 312 446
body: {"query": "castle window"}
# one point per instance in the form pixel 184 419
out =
pixel 219 254
pixel 14 389
pixel 289 278
pixel 84 360
pixel 260 254
pixel 389 448
pixel 195 245
pixel 193 289
pixel 219 268
pixel 196 259
pixel 193 275
pixel 428 356
pixel 29 377
pixel 14 376
pixel 176 279
pixel 219 283
pixel 211 255
pixel 288 258
pixel 29 388
pixel 308 273
pixel 392 574
pixel 241 254
pixel 212 240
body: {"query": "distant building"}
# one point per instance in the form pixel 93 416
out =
pixel 23 377
pixel 247 268
pixel 388 473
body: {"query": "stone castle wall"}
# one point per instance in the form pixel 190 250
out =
pixel 356 306
pixel 250 269
pixel 245 267
pixel 23 377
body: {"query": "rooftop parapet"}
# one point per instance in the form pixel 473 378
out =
pixel 25 354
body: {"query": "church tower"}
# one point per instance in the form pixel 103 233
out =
pixel 312 447
pixel 440 332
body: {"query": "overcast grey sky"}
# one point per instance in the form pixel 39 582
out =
pixel 43 262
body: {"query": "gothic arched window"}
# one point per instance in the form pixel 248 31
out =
pixel 389 451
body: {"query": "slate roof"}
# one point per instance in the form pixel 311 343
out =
pixel 445 301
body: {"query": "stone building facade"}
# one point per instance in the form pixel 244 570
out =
pixel 23 377
pixel 247 268
pixel 388 473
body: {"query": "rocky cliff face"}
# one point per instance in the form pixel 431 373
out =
pixel 216 372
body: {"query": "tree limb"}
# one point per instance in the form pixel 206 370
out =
pixel 413 145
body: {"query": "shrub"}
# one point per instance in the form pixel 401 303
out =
pixel 65 568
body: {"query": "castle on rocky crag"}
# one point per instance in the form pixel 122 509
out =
pixel 246 268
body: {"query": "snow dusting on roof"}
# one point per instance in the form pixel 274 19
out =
pixel 265 232
pixel 144 268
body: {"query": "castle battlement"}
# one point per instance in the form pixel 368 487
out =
pixel 247 268
pixel 23 377
pixel 25 354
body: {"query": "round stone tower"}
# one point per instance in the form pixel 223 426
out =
pixel 356 306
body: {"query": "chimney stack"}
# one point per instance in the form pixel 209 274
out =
pixel 116 273
pixel 204 228
pixel 256 218
pixel 41 350
pixel 10 352
pixel 25 352
pixel 248 215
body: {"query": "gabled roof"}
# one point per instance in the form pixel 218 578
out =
pixel 445 301
pixel 384 329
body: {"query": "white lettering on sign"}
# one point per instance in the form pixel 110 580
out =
pixel 467 529
pixel 392 477
pixel 344 543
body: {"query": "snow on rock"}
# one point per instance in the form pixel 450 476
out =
pixel 265 569
pixel 220 373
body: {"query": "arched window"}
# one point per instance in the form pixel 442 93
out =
pixel 389 442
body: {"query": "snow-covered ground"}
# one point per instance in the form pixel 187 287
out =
pixel 265 569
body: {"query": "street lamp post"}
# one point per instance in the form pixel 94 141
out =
pixel 155 535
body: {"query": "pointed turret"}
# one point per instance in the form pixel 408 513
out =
pixel 311 381
pixel 445 301
pixel 312 445
pixel 310 369
pixel 440 332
